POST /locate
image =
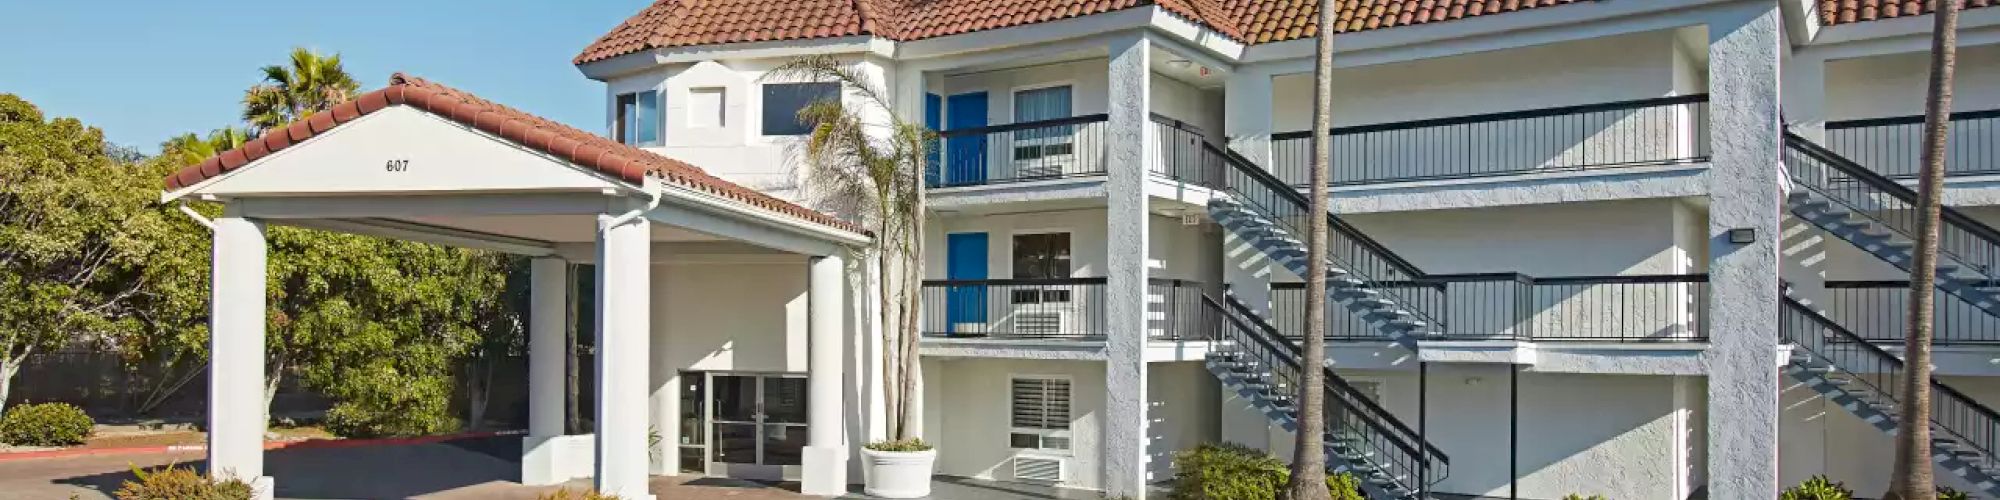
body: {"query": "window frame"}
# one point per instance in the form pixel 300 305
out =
pixel 764 107
pixel 620 124
pixel 1042 436
pixel 1061 294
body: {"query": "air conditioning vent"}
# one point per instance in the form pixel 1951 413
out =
pixel 1040 323
pixel 1039 469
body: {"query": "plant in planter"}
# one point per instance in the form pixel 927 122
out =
pixel 855 164
pixel 1817 488
pixel 898 469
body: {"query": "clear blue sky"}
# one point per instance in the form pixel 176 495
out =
pixel 147 70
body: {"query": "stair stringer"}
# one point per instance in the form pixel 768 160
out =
pixel 1953 277
pixel 1355 295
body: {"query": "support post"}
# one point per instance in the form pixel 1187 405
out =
pixel 624 281
pixel 1744 183
pixel 825 457
pixel 548 313
pixel 236 411
pixel 1124 433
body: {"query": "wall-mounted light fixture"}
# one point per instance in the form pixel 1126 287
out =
pixel 1743 235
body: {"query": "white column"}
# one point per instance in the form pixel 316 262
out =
pixel 236 419
pixel 1744 49
pixel 548 295
pixel 624 275
pixel 825 456
pixel 1124 431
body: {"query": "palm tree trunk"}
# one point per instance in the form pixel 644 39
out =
pixel 1912 475
pixel 1308 481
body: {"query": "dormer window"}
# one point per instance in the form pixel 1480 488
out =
pixel 638 119
pixel 782 102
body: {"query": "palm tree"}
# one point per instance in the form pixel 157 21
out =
pixel 1912 478
pixel 874 170
pixel 1308 480
pixel 312 83
pixel 189 148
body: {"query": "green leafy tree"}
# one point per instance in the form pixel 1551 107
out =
pixel 77 225
pixel 309 84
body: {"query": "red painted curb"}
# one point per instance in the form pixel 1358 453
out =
pixel 268 445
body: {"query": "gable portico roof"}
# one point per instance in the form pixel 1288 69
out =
pixel 583 149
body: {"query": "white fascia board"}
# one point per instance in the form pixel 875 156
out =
pixel 1801 20
pixel 1969 20
pixel 1492 32
pixel 1014 37
pixel 608 69
pixel 708 213
pixel 1906 43
pixel 1196 41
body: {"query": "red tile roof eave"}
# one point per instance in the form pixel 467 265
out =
pixel 623 162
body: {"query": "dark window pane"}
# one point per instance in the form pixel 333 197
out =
pixel 782 102
pixel 693 461
pixel 784 400
pixel 1041 256
pixel 646 119
pixel 622 127
pixel 694 394
pixel 736 443
pixel 783 444
pixel 735 399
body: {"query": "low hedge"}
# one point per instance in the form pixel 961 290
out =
pixel 1230 471
pixel 45 424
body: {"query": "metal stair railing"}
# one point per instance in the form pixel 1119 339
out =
pixel 1889 203
pixel 1958 416
pixel 1351 413
pixel 1351 250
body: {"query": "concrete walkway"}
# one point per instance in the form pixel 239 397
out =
pixel 482 468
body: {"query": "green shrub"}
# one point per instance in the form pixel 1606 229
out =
pixel 906 445
pixel 1945 493
pixel 180 483
pixel 566 494
pixel 1579 496
pixel 1230 471
pixel 45 424
pixel 1817 488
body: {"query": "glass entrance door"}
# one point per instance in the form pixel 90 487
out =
pixel 758 428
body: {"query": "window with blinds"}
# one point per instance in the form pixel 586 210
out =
pixel 1040 414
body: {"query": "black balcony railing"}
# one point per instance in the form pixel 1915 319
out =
pixel 1063 308
pixel 1892 205
pixel 1351 414
pixel 1870 368
pixel 1186 153
pixel 1877 310
pixel 1018 152
pixel 1893 147
pixel 1661 131
pixel 1507 306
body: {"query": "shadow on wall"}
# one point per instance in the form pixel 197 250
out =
pixel 388 471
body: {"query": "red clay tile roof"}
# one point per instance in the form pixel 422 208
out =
pixel 609 157
pixel 1832 12
pixel 679 23
pixel 1264 21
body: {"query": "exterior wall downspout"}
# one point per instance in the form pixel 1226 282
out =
pixel 1745 185
pixel 1124 433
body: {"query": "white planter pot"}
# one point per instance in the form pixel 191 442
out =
pixel 897 474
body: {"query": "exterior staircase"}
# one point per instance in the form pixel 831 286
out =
pixel 1880 216
pixel 1252 359
pixel 1865 380
pixel 1362 275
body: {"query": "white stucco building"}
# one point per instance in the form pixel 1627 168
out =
pixel 1643 249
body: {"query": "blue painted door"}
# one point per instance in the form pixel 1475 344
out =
pixel 934 120
pixel 965 259
pixel 965 156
